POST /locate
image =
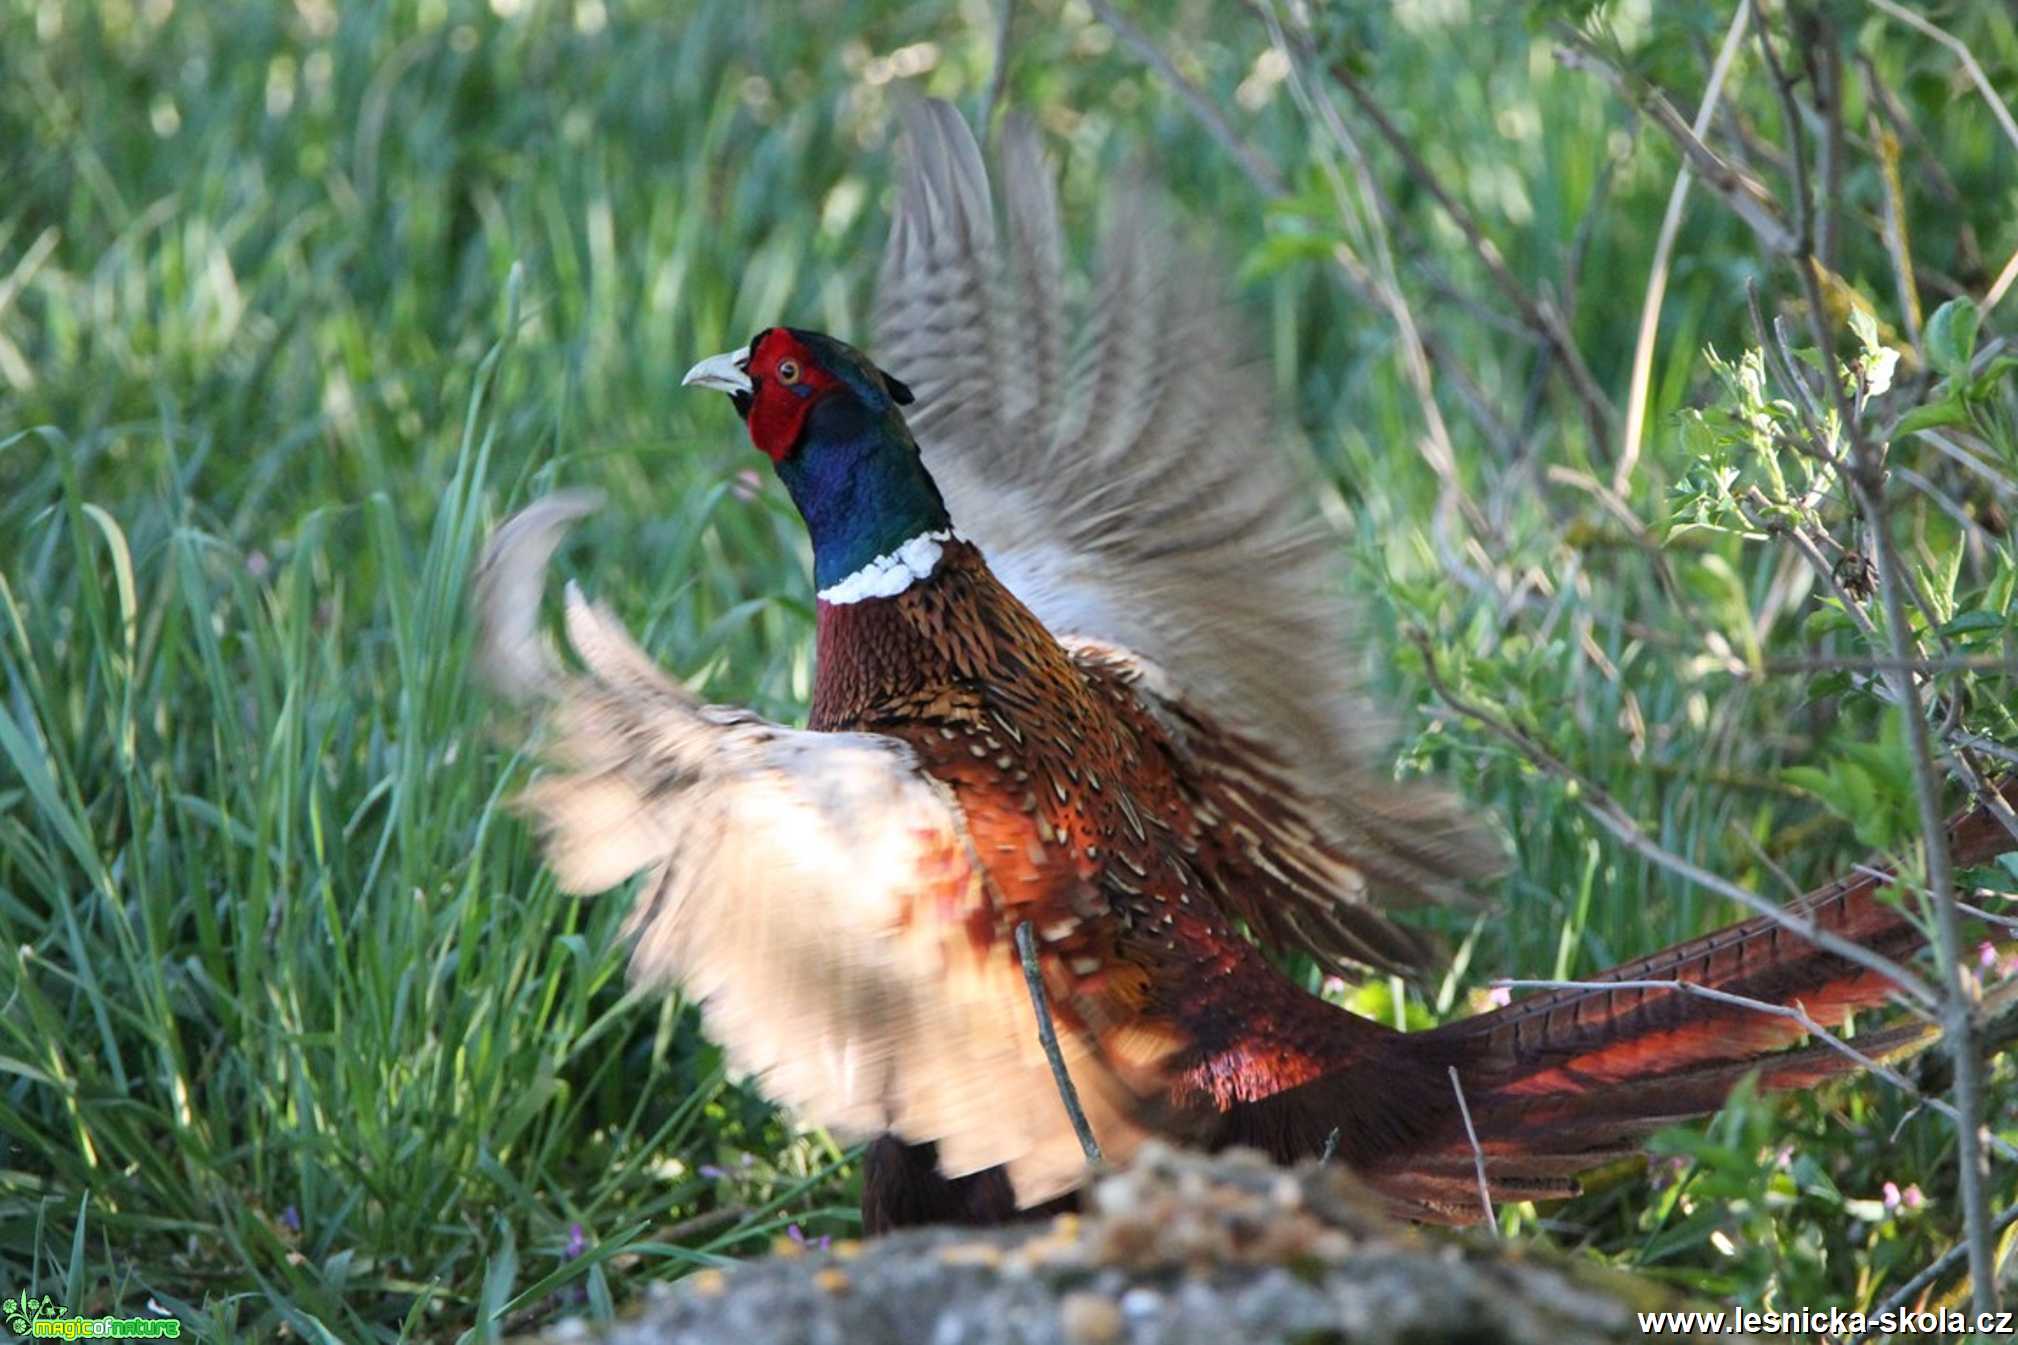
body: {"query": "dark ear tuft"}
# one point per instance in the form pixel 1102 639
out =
pixel 900 392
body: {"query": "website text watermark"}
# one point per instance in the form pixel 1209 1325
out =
pixel 1835 1322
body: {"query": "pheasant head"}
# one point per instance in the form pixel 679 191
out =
pixel 829 421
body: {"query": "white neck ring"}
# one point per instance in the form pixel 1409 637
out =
pixel 887 576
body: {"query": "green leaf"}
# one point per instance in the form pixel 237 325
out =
pixel 1859 793
pixel 1866 328
pixel 1852 792
pixel 1285 251
pixel 1812 779
pixel 1826 620
pixel 1878 761
pixel 1934 415
pixel 1993 373
pixel 1950 337
pixel 1974 620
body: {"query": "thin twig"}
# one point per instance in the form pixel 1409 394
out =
pixel 1539 316
pixel 1940 1266
pixel 1991 476
pixel 1742 192
pixel 1989 917
pixel 1257 167
pixel 1759 511
pixel 1771 865
pixel 1615 506
pixel 1047 1036
pixel 1925 158
pixel 1664 249
pixel 1963 740
pixel 1477 1154
pixel 1793 1013
pixel 1895 229
pixel 1382 280
pixel 1866 479
pixel 1946 663
pixel 1981 793
pixel 1607 812
pixel 1773 344
pixel 1825 72
pixel 2002 283
pixel 1971 529
pixel 1612 502
pixel 1962 54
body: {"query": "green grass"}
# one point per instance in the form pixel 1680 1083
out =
pixel 295 301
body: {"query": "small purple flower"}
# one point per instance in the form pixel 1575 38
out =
pixel 1333 987
pixel 577 1243
pixel 290 1219
pixel 796 1234
pixel 749 1160
pixel 1499 996
pixel 1986 955
pixel 711 1172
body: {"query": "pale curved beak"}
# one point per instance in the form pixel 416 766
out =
pixel 724 373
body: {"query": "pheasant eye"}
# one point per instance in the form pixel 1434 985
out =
pixel 788 371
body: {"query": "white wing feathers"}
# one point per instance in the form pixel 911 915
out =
pixel 812 891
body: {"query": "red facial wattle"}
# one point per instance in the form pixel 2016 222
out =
pixel 786 386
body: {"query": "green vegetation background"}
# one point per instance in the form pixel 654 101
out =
pixel 296 299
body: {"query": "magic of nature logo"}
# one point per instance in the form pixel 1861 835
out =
pixel 45 1319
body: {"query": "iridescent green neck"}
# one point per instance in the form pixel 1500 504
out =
pixel 871 508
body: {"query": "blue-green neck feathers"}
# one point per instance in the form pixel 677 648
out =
pixel 862 489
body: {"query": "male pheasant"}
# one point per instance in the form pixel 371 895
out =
pixel 1078 665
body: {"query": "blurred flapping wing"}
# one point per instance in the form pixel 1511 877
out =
pixel 1126 486
pixel 815 892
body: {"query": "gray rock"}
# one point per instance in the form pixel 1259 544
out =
pixel 1179 1250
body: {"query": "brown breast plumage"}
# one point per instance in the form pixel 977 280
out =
pixel 1072 796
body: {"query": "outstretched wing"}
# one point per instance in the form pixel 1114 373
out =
pixel 815 892
pixel 1125 484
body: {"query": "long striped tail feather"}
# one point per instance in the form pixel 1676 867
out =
pixel 1567 1080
